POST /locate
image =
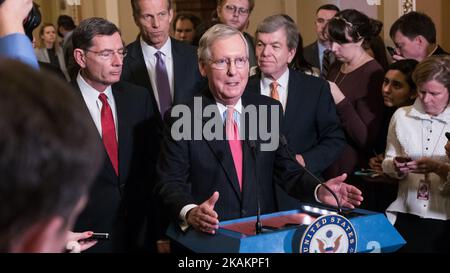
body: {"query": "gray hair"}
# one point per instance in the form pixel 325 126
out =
pixel 216 32
pixel 275 22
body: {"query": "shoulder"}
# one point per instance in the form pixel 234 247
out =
pixel 253 98
pixel 131 89
pixel 310 46
pixel 182 48
pixel 310 82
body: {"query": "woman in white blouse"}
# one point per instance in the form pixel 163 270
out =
pixel 415 154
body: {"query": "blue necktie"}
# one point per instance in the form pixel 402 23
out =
pixel 162 84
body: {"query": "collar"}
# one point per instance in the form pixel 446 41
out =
pixel 238 109
pixel 418 112
pixel 89 92
pixel 149 50
pixel 282 81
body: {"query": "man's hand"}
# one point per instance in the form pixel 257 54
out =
pixel 12 14
pixel 203 218
pixel 349 196
pixel 447 148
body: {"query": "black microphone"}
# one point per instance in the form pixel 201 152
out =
pixel 258 224
pixel 284 144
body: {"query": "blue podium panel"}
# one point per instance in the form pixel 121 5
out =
pixel 284 231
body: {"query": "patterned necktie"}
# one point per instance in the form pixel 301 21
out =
pixel 326 61
pixel 274 91
pixel 162 84
pixel 234 141
pixel 109 132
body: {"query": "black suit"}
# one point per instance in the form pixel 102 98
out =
pixel 310 124
pixel 190 171
pixel 114 200
pixel 187 77
pixel 311 54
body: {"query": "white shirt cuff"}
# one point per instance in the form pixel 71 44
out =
pixel 315 194
pixel 183 224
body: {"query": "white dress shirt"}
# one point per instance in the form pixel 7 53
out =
pixel 283 83
pixel 416 134
pixel 94 104
pixel 150 62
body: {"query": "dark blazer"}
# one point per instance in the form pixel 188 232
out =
pixel 310 124
pixel 113 200
pixel 190 171
pixel 311 53
pixel 187 76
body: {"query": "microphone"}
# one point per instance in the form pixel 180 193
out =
pixel 284 144
pixel 258 224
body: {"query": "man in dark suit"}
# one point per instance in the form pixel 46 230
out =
pixel 203 180
pixel 310 122
pixel 122 114
pixel 153 17
pixel 315 52
pixel 166 67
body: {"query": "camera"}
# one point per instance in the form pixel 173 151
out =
pixel 32 21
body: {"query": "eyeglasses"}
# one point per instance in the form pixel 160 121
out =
pixel 232 9
pixel 108 54
pixel 222 64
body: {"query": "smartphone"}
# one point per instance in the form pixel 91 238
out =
pixel 447 135
pixel 391 51
pixel 98 237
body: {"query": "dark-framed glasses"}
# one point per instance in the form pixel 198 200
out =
pixel 232 9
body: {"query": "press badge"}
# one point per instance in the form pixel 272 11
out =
pixel 423 191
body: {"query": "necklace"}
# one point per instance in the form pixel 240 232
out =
pixel 338 82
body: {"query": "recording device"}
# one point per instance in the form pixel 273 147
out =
pixel 391 51
pixel 447 135
pixel 32 21
pixel 98 237
pixel 284 144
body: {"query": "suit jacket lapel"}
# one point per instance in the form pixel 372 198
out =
pixel 222 151
pixel 294 90
pixel 121 127
pixel 139 69
pixel 179 65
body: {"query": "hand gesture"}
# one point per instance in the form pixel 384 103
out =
pixel 203 218
pixel 349 196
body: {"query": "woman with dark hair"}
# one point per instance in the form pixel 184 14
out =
pixel 398 90
pixel 415 155
pixel 356 82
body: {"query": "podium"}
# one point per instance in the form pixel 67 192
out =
pixel 288 231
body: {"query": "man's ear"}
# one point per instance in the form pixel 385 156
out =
pixel 202 68
pixel 47 236
pixel 421 41
pixel 80 57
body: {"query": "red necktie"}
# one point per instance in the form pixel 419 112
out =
pixel 109 132
pixel 234 141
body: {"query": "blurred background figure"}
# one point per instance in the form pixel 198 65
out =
pixel 66 26
pixel 319 53
pixel 50 51
pixel 50 155
pixel 185 27
pixel 415 155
